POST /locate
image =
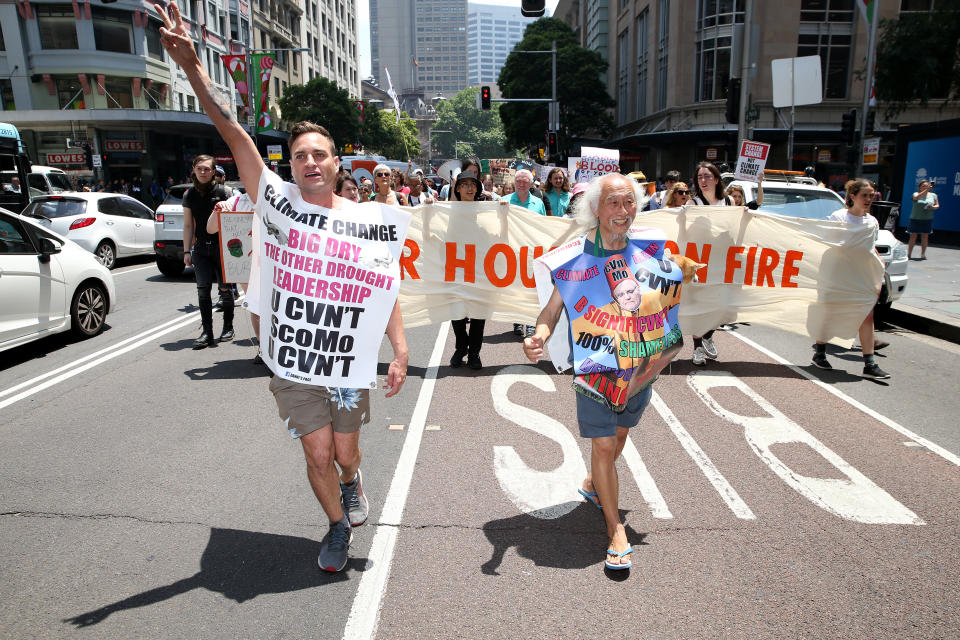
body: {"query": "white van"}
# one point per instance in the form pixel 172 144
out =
pixel 48 180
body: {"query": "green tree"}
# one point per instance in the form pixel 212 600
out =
pixel 385 137
pixel 478 132
pixel 323 102
pixel 581 91
pixel 917 59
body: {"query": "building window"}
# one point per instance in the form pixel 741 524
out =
pixel 663 39
pixel 120 93
pixel 715 13
pixel 916 5
pixel 58 27
pixel 191 103
pixel 69 95
pixel 826 29
pixel 712 68
pixel 154 48
pixel 643 54
pixel 623 76
pixel 112 31
pixel 6 95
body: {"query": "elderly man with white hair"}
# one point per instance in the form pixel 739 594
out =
pixel 522 197
pixel 619 292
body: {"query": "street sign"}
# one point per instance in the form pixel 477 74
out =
pixel 711 153
pixel 871 151
pixel 97 161
pixel 796 81
pixel 753 158
pixel 250 121
pixel 274 152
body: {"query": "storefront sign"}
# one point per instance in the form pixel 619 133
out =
pixel 871 150
pixel 65 158
pixel 711 153
pixel 824 156
pixel 274 152
pixel 123 145
pixel 223 158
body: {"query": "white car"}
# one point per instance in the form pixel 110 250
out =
pixel 109 225
pixel 811 201
pixel 48 284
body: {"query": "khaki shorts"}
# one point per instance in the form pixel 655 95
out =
pixel 306 408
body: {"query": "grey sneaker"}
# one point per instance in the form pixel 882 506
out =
pixel 874 371
pixel 354 501
pixel 710 349
pixel 820 360
pixel 699 357
pixel 334 547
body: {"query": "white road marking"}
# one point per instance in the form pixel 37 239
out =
pixel 125 271
pixel 648 488
pixel 43 376
pixel 854 498
pixel 935 448
pixel 365 612
pixel 111 352
pixel 726 491
pixel 541 494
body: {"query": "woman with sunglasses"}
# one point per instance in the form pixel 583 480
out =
pixel 383 187
pixel 709 191
pixel 677 195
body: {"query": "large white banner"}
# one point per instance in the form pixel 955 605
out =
pixel 812 277
pixel 327 290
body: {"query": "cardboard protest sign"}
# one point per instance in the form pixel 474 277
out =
pixel 328 281
pixel 236 245
pixel 624 307
pixel 753 159
pixel 596 161
pixel 573 170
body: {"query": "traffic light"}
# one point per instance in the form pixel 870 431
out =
pixel 848 126
pixel 532 8
pixel 485 98
pixel 540 151
pixel 871 121
pixel 88 155
pixel 551 142
pixel 733 101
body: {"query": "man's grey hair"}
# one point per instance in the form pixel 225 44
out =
pixel 525 171
pixel 586 207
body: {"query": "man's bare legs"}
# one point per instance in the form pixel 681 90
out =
pixel 348 454
pixel 319 451
pixel 603 474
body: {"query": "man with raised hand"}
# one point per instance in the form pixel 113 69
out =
pixel 326 420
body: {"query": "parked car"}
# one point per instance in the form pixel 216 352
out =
pixel 109 225
pixel 800 200
pixel 168 229
pixel 48 284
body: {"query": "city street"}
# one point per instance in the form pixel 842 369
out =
pixel 151 491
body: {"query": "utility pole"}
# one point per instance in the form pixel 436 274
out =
pixel 745 69
pixel 868 84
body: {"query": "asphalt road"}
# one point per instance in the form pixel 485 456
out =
pixel 150 491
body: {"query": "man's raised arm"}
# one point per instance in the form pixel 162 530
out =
pixel 175 37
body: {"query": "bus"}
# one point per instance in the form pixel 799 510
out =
pixel 14 168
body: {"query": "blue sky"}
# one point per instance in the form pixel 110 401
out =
pixel 363 19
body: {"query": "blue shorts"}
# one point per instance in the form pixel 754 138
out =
pixel 920 226
pixel 596 420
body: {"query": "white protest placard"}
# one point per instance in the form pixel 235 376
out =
pixel 871 150
pixel 573 170
pixel 753 159
pixel 596 161
pixel 236 244
pixel 328 281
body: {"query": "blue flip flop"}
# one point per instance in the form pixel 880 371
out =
pixel 591 497
pixel 619 554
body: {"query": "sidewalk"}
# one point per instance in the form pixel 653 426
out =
pixel 931 302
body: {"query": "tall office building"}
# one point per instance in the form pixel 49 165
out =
pixel 422 42
pixel 492 32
